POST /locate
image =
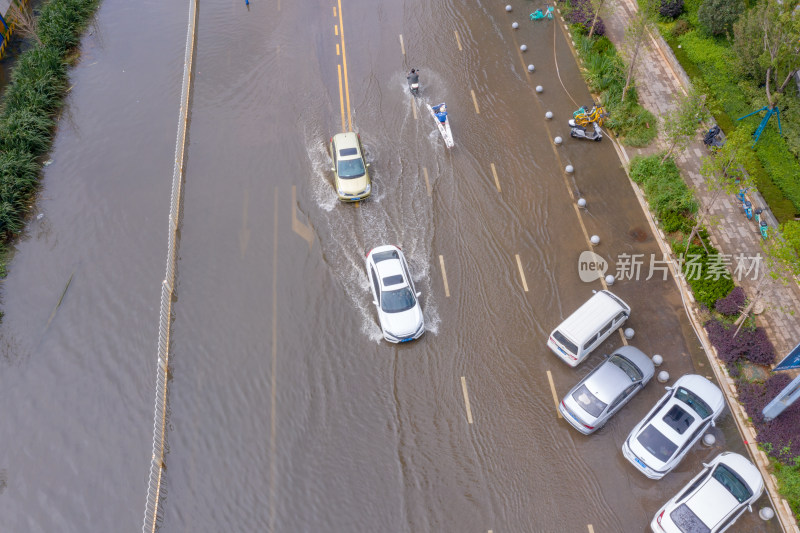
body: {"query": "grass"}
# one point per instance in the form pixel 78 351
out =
pixel 30 107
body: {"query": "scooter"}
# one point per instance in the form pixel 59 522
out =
pixel 579 132
pixel 413 87
pixel 712 139
pixel 748 209
pixel 764 228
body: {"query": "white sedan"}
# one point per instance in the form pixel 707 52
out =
pixel 394 296
pixel 714 499
pixel 658 443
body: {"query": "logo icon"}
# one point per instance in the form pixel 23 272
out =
pixel 591 266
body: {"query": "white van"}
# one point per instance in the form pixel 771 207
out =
pixel 586 328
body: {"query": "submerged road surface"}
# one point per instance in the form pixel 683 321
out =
pixel 287 411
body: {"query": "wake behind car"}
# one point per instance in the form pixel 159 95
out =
pixel 658 443
pixel 350 175
pixel 607 388
pixel 394 296
pixel 714 499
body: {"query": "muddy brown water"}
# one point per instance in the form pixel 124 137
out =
pixel 286 410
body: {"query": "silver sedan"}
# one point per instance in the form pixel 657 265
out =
pixel 606 389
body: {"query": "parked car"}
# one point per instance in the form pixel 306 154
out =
pixel 658 443
pixel 588 326
pixel 350 174
pixel 714 499
pixel 394 296
pixel 590 403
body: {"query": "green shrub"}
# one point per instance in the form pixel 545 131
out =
pixel 705 288
pixel 718 16
pixel 670 199
pixel 789 484
pixel 61 23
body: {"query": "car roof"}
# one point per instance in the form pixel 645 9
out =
pixel 638 358
pixel 343 141
pixel 607 381
pixel 387 260
pixel 712 501
pixel 601 307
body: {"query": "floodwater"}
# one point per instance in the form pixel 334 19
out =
pixel 287 412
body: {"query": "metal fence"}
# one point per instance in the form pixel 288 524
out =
pixel 154 494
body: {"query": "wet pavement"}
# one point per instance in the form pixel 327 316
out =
pixel 286 410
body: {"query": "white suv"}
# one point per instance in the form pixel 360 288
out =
pixel 394 296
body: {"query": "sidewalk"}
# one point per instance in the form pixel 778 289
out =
pixel 659 77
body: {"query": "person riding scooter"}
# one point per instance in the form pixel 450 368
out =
pixel 413 80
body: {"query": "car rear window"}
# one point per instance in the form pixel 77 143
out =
pixel 388 281
pixel 687 521
pixel 693 400
pixel 588 401
pixel 565 342
pixel 383 256
pixel 678 419
pixel 657 444
pixel 732 483
pixel 348 151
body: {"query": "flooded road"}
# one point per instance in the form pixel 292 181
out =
pixel 287 412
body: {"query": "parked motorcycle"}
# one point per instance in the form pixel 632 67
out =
pixel 579 132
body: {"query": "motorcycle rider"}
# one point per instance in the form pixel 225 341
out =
pixel 413 77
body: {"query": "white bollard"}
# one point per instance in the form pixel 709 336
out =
pixel 569 169
pixel 508 7
pixel 531 68
pixel 709 439
pixel 548 115
pixel 515 25
pixel 581 202
pixel 609 280
pixel 663 376
pixel 595 240
pixel 558 140
pixel 523 47
pixel 539 88
pixel 657 360
pixel 629 333
pixel 766 513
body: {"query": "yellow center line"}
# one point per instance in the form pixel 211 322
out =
pixel 336 30
pixel 427 181
pixel 344 64
pixel 466 398
pixel 458 40
pixel 553 390
pixel 334 11
pixel 341 96
pixel 338 52
pixel 402 47
pixel 444 276
pixel 475 101
pixel 591 529
pixel 522 274
pixel 496 181
pixel 414 107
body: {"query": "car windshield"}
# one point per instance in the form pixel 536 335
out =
pixel 657 444
pixel 588 401
pixel 626 366
pixel 351 168
pixel 397 301
pixel 687 521
pixel 693 400
pixel 569 345
pixel 733 483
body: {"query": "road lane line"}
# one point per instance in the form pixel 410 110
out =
pixel 344 65
pixel 496 181
pixel 591 529
pixel 553 390
pixel 444 277
pixel 458 40
pixel 466 398
pixel 427 181
pixel 414 107
pixel 338 52
pixel 402 46
pixel 306 231
pixel 336 30
pixel 274 395
pixel 475 101
pixel 334 11
pixel 341 93
pixel 522 274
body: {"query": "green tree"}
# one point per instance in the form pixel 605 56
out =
pixel 599 6
pixel 681 123
pixel 718 16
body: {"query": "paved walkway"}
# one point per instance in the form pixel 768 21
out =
pixel 659 77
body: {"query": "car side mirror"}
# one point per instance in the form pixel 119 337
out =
pixel 713 423
pixel 368 165
pixel 668 388
pixel 419 294
pixel 750 507
pixel 333 169
pixel 706 465
pixel 375 303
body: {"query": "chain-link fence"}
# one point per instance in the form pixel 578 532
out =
pixel 167 286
